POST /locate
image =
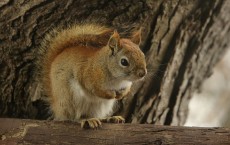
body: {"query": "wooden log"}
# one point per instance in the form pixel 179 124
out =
pixel 18 131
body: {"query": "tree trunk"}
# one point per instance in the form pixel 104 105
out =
pixel 182 41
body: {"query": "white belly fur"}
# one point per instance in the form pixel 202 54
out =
pixel 89 106
pixel 120 85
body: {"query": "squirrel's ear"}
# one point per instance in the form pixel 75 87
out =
pixel 104 37
pixel 136 37
pixel 114 42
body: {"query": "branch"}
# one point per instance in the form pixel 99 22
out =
pixel 17 131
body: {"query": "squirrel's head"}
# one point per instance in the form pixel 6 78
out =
pixel 126 60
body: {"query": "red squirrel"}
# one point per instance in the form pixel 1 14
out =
pixel 86 68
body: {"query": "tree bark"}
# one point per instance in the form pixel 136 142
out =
pixel 182 41
pixel 15 131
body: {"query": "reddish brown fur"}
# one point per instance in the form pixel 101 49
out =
pixel 76 68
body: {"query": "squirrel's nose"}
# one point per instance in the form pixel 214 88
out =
pixel 141 73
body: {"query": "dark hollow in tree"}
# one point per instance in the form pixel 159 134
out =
pixel 182 41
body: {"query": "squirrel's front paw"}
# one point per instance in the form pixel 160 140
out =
pixel 121 93
pixel 91 123
pixel 115 119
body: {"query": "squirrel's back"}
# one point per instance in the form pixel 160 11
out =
pixel 61 38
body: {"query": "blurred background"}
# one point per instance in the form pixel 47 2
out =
pixel 211 106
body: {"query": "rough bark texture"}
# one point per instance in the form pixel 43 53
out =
pixel 182 40
pixel 13 131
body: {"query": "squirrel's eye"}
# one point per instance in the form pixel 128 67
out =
pixel 124 62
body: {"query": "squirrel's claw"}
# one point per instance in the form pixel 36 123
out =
pixel 91 123
pixel 96 123
pixel 114 119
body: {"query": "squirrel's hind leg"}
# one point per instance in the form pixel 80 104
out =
pixel 90 123
pixel 113 119
pixel 95 123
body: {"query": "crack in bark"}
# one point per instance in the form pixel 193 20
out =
pixel 168 25
pixel 148 43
